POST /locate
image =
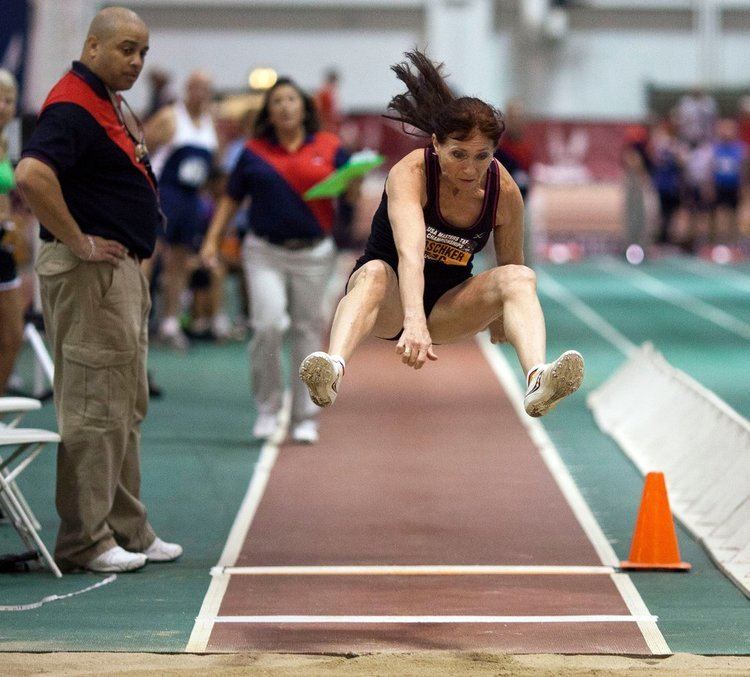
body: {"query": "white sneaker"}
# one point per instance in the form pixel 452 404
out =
pixel 171 334
pixel 306 432
pixel 221 326
pixel 159 551
pixel 322 373
pixel 265 426
pixel 552 382
pixel 117 560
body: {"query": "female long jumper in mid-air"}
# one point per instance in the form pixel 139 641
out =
pixel 414 283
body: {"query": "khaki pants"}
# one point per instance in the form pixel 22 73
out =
pixel 96 320
pixel 287 288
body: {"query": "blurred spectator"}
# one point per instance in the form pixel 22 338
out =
pixel 235 146
pixel 289 253
pixel 327 102
pixel 698 192
pixel 729 158
pixel 11 307
pixel 696 113
pixel 160 92
pixel 667 153
pixel 516 153
pixel 743 117
pixel 637 166
pixel 183 140
pixel 516 150
pixel 208 319
pixel 231 243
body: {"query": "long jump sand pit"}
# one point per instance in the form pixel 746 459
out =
pixel 411 663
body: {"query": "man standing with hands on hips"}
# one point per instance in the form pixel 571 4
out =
pixel 85 174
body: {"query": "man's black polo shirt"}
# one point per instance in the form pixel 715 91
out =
pixel 80 136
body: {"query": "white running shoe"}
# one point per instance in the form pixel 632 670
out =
pixel 322 373
pixel 552 382
pixel 117 560
pixel 265 426
pixel 221 326
pixel 160 551
pixel 306 432
pixel 171 334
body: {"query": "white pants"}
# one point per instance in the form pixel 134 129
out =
pixel 287 289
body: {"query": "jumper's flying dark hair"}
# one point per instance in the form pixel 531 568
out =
pixel 429 106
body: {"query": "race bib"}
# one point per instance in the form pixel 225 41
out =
pixel 453 250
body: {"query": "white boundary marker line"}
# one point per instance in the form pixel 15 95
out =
pixel 204 623
pixel 650 631
pixel 638 608
pixel 628 591
pixel 549 454
pixel 586 314
pixel 201 632
pixel 414 570
pixel 713 272
pixel 221 574
pixel 367 620
pixel 679 298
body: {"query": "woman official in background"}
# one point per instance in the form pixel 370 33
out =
pixel 289 253
pixel 11 311
pixel 414 283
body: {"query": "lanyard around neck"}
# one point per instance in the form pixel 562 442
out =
pixel 139 141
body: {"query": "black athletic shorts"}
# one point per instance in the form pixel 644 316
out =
pixel 8 272
pixel 437 281
pixel 727 197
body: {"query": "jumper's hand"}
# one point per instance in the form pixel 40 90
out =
pixel 94 248
pixel 415 345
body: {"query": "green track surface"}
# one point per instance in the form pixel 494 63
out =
pixel 198 458
pixel 701 611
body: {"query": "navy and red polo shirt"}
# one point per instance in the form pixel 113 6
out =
pixel 275 179
pixel 80 136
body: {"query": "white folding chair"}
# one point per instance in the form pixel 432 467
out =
pixel 12 410
pixel 25 444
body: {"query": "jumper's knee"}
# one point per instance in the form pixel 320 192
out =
pixel 374 277
pixel 512 281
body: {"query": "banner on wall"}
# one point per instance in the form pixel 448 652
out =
pixel 14 37
pixel 566 152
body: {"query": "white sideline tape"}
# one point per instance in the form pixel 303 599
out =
pixel 713 272
pixel 664 420
pixel 201 632
pixel 416 570
pixel 549 454
pixel 712 538
pixel 434 619
pixel 679 298
pixel 586 314
pixel 638 608
pixel 57 598
pixel 650 631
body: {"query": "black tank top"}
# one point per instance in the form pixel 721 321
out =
pixel 448 250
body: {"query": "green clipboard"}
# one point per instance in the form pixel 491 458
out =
pixel 337 182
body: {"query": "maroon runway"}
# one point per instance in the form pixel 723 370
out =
pixel 419 468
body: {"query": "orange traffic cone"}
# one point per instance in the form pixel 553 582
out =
pixel 655 540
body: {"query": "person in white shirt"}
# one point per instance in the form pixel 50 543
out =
pixel 183 140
